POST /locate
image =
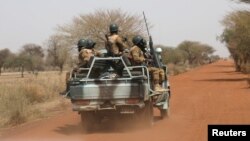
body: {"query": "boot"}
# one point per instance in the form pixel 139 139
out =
pixel 158 88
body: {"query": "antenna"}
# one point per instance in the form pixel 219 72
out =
pixel 146 23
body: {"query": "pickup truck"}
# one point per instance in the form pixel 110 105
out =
pixel 96 95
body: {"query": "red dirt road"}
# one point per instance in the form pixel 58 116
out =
pixel 211 94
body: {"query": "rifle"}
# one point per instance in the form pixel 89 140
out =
pixel 155 57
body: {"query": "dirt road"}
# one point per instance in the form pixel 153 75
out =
pixel 211 94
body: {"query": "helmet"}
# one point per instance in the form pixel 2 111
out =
pixel 144 42
pixel 113 28
pixel 138 40
pixel 90 44
pixel 81 43
pixel 158 50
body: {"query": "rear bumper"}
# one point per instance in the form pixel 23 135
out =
pixel 75 107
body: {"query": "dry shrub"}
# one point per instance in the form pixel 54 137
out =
pixel 13 107
pixel 22 99
pixel 177 69
pixel 180 69
pixel 35 93
pixel 16 118
pixel 171 68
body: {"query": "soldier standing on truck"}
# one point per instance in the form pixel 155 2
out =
pixel 115 46
pixel 139 57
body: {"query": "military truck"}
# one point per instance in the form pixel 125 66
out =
pixel 96 93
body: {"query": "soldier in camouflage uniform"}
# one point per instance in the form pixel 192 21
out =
pixel 138 54
pixel 86 51
pixel 115 46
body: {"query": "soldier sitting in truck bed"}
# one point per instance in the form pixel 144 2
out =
pixel 86 51
pixel 137 58
pixel 115 46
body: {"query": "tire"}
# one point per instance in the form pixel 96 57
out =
pixel 88 120
pixel 146 114
pixel 164 113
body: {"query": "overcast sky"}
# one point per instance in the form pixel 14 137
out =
pixel 33 21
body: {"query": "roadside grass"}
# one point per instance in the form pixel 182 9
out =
pixel 29 98
pixel 177 69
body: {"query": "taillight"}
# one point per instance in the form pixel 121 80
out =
pixel 81 102
pixel 132 101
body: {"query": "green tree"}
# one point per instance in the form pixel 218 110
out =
pixel 173 55
pixel 196 52
pixel 236 36
pixel 214 58
pixel 4 54
pixel 31 57
pixel 245 1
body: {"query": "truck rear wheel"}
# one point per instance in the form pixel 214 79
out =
pixel 146 114
pixel 164 113
pixel 88 121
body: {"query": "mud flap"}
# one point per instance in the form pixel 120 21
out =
pixel 165 105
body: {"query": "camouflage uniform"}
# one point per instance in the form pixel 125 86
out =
pixel 85 55
pixel 86 51
pixel 116 45
pixel 137 58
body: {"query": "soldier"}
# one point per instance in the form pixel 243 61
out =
pixel 138 54
pixel 86 52
pixel 81 43
pixel 115 46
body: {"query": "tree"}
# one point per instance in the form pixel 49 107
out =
pixel 214 58
pixel 4 54
pixel 173 55
pixel 31 57
pixel 245 1
pixel 95 26
pixel 236 37
pixel 58 52
pixel 192 50
pixel 196 52
pixel 206 53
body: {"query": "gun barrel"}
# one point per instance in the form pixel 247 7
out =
pixel 156 60
pixel 146 23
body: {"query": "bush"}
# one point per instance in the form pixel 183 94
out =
pixel 23 99
pixel 177 69
pixel 13 107
pixel 34 93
